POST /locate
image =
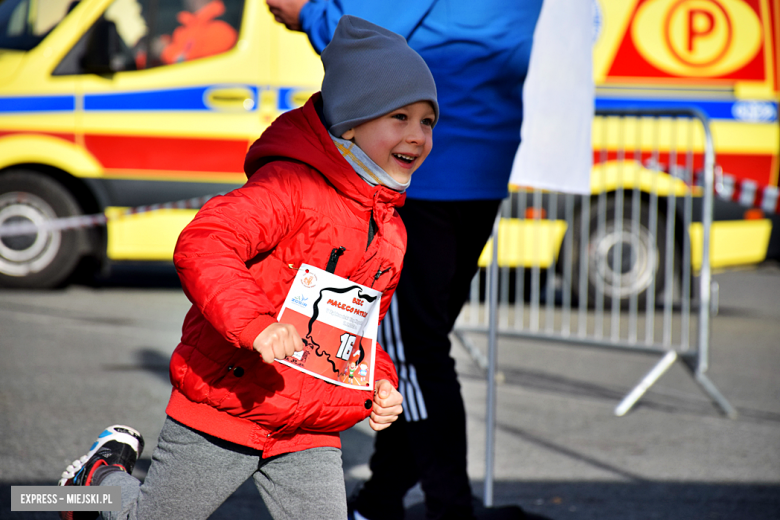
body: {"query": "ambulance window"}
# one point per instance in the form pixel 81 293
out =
pixel 25 23
pixel 141 34
pixel 186 30
pixel 107 46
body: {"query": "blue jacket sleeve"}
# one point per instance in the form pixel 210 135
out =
pixel 320 17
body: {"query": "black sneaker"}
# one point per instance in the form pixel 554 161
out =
pixel 118 446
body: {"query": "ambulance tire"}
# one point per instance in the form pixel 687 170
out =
pixel 637 272
pixel 43 259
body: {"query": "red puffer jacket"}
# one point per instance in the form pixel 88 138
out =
pixel 237 260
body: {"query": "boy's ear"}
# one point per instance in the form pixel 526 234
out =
pixel 349 134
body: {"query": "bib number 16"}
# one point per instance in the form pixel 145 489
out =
pixel 345 349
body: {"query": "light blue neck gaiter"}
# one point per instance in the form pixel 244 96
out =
pixel 368 170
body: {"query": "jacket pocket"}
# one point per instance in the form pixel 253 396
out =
pixel 336 408
pixel 253 390
pixel 222 384
pixel 196 375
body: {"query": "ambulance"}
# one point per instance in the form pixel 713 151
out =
pixel 112 105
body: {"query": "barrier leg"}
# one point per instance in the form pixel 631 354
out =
pixel 644 385
pixel 711 390
pixel 490 419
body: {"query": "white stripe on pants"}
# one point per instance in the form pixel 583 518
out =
pixel 391 341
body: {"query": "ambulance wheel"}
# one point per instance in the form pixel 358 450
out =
pixel 622 260
pixel 38 259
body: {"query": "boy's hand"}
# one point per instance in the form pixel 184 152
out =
pixel 387 405
pixel 287 12
pixel 278 341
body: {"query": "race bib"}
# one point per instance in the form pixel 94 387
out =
pixel 338 322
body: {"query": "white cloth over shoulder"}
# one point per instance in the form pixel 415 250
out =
pixel 555 151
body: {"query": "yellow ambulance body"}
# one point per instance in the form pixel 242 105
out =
pixel 94 119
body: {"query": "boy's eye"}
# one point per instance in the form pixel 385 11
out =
pixel 400 117
pixel 427 121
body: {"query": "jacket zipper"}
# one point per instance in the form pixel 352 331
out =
pixel 379 272
pixel 372 228
pixel 334 258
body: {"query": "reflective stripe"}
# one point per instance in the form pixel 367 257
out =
pixel 191 98
pixel 177 99
pixel 37 103
pixel 749 111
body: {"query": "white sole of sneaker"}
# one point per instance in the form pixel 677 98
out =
pixel 117 432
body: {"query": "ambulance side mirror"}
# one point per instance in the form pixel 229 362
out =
pixel 106 53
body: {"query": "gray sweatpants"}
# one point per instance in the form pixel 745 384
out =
pixel 192 474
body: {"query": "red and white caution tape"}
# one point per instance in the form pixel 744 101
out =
pixel 749 193
pixel 99 219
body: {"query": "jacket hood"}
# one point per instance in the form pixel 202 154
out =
pixel 300 135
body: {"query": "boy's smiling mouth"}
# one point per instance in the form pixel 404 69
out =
pixel 408 159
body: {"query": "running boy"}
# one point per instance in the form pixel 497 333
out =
pixel 324 181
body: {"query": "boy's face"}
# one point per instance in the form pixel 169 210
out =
pixel 398 141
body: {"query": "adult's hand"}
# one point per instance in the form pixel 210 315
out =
pixel 287 12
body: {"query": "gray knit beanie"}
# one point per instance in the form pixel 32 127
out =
pixel 370 71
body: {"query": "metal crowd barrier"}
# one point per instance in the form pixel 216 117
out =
pixel 626 268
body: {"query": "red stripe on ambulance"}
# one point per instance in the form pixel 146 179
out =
pixel 167 153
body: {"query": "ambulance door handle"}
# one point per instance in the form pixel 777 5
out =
pixel 230 99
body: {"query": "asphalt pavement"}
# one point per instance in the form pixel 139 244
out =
pixel 78 359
